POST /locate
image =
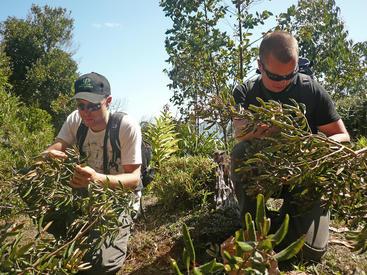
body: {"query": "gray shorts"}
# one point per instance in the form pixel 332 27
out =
pixel 111 256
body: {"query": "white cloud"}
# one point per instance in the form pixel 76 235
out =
pixel 112 25
pixel 106 25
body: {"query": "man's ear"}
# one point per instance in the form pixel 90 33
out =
pixel 108 100
pixel 259 65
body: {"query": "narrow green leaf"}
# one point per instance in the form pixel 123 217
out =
pixel 266 226
pixel 174 266
pixel 250 227
pixel 188 242
pixel 291 250
pixel 245 247
pixel 281 232
pixel 260 213
pixel 186 259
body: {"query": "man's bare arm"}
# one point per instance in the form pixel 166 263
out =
pixel 336 131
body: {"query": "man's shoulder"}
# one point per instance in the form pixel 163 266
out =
pixel 246 86
pixel 126 121
pixel 310 85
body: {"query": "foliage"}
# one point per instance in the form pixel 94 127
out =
pixel 204 58
pixel 250 251
pixel 35 257
pixel 192 143
pixel 25 131
pixel 353 110
pixel 361 143
pixel 311 165
pixel 360 239
pixel 213 114
pixel 185 182
pixel 198 51
pixel 41 68
pixel 163 139
pixel 54 205
pixel 339 63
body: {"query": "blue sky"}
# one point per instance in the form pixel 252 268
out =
pixel 124 40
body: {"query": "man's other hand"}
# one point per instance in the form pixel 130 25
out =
pixel 83 176
pixel 56 154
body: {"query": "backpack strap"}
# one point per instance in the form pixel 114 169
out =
pixel 80 137
pixel 114 133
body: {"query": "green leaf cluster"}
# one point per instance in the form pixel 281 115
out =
pixel 163 138
pixel 312 166
pixel 340 64
pixel 67 213
pixel 195 143
pixel 205 58
pixel 185 182
pixel 42 68
pixel 250 251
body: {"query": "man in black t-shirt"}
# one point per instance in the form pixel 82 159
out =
pixel 280 81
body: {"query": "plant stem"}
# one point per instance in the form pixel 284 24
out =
pixel 80 234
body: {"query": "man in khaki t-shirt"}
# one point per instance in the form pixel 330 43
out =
pixel 93 97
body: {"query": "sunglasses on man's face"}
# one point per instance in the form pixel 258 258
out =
pixel 91 107
pixel 276 77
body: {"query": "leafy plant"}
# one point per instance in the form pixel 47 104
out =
pixel 340 64
pixel 185 182
pixel 250 251
pixel 42 68
pixel 311 165
pixel 194 143
pixel 360 239
pixel 163 139
pixel 353 110
pixel 54 205
pixel 40 255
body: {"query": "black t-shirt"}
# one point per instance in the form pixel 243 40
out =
pixel 320 109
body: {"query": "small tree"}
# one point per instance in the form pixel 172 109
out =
pixel 42 70
pixel 339 63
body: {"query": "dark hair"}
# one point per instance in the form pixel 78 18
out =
pixel 281 45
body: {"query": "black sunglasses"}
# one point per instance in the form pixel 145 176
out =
pixel 276 77
pixel 91 107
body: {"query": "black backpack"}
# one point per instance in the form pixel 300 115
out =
pixel 112 130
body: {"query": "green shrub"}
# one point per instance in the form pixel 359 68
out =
pixel 353 110
pixel 185 182
pixel 163 139
pixel 24 133
pixel 197 144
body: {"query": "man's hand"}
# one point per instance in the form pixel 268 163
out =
pixel 261 131
pixel 83 176
pixel 56 154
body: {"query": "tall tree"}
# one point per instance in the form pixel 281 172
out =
pixel 205 59
pixel 42 68
pixel 339 63
pixel 198 51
